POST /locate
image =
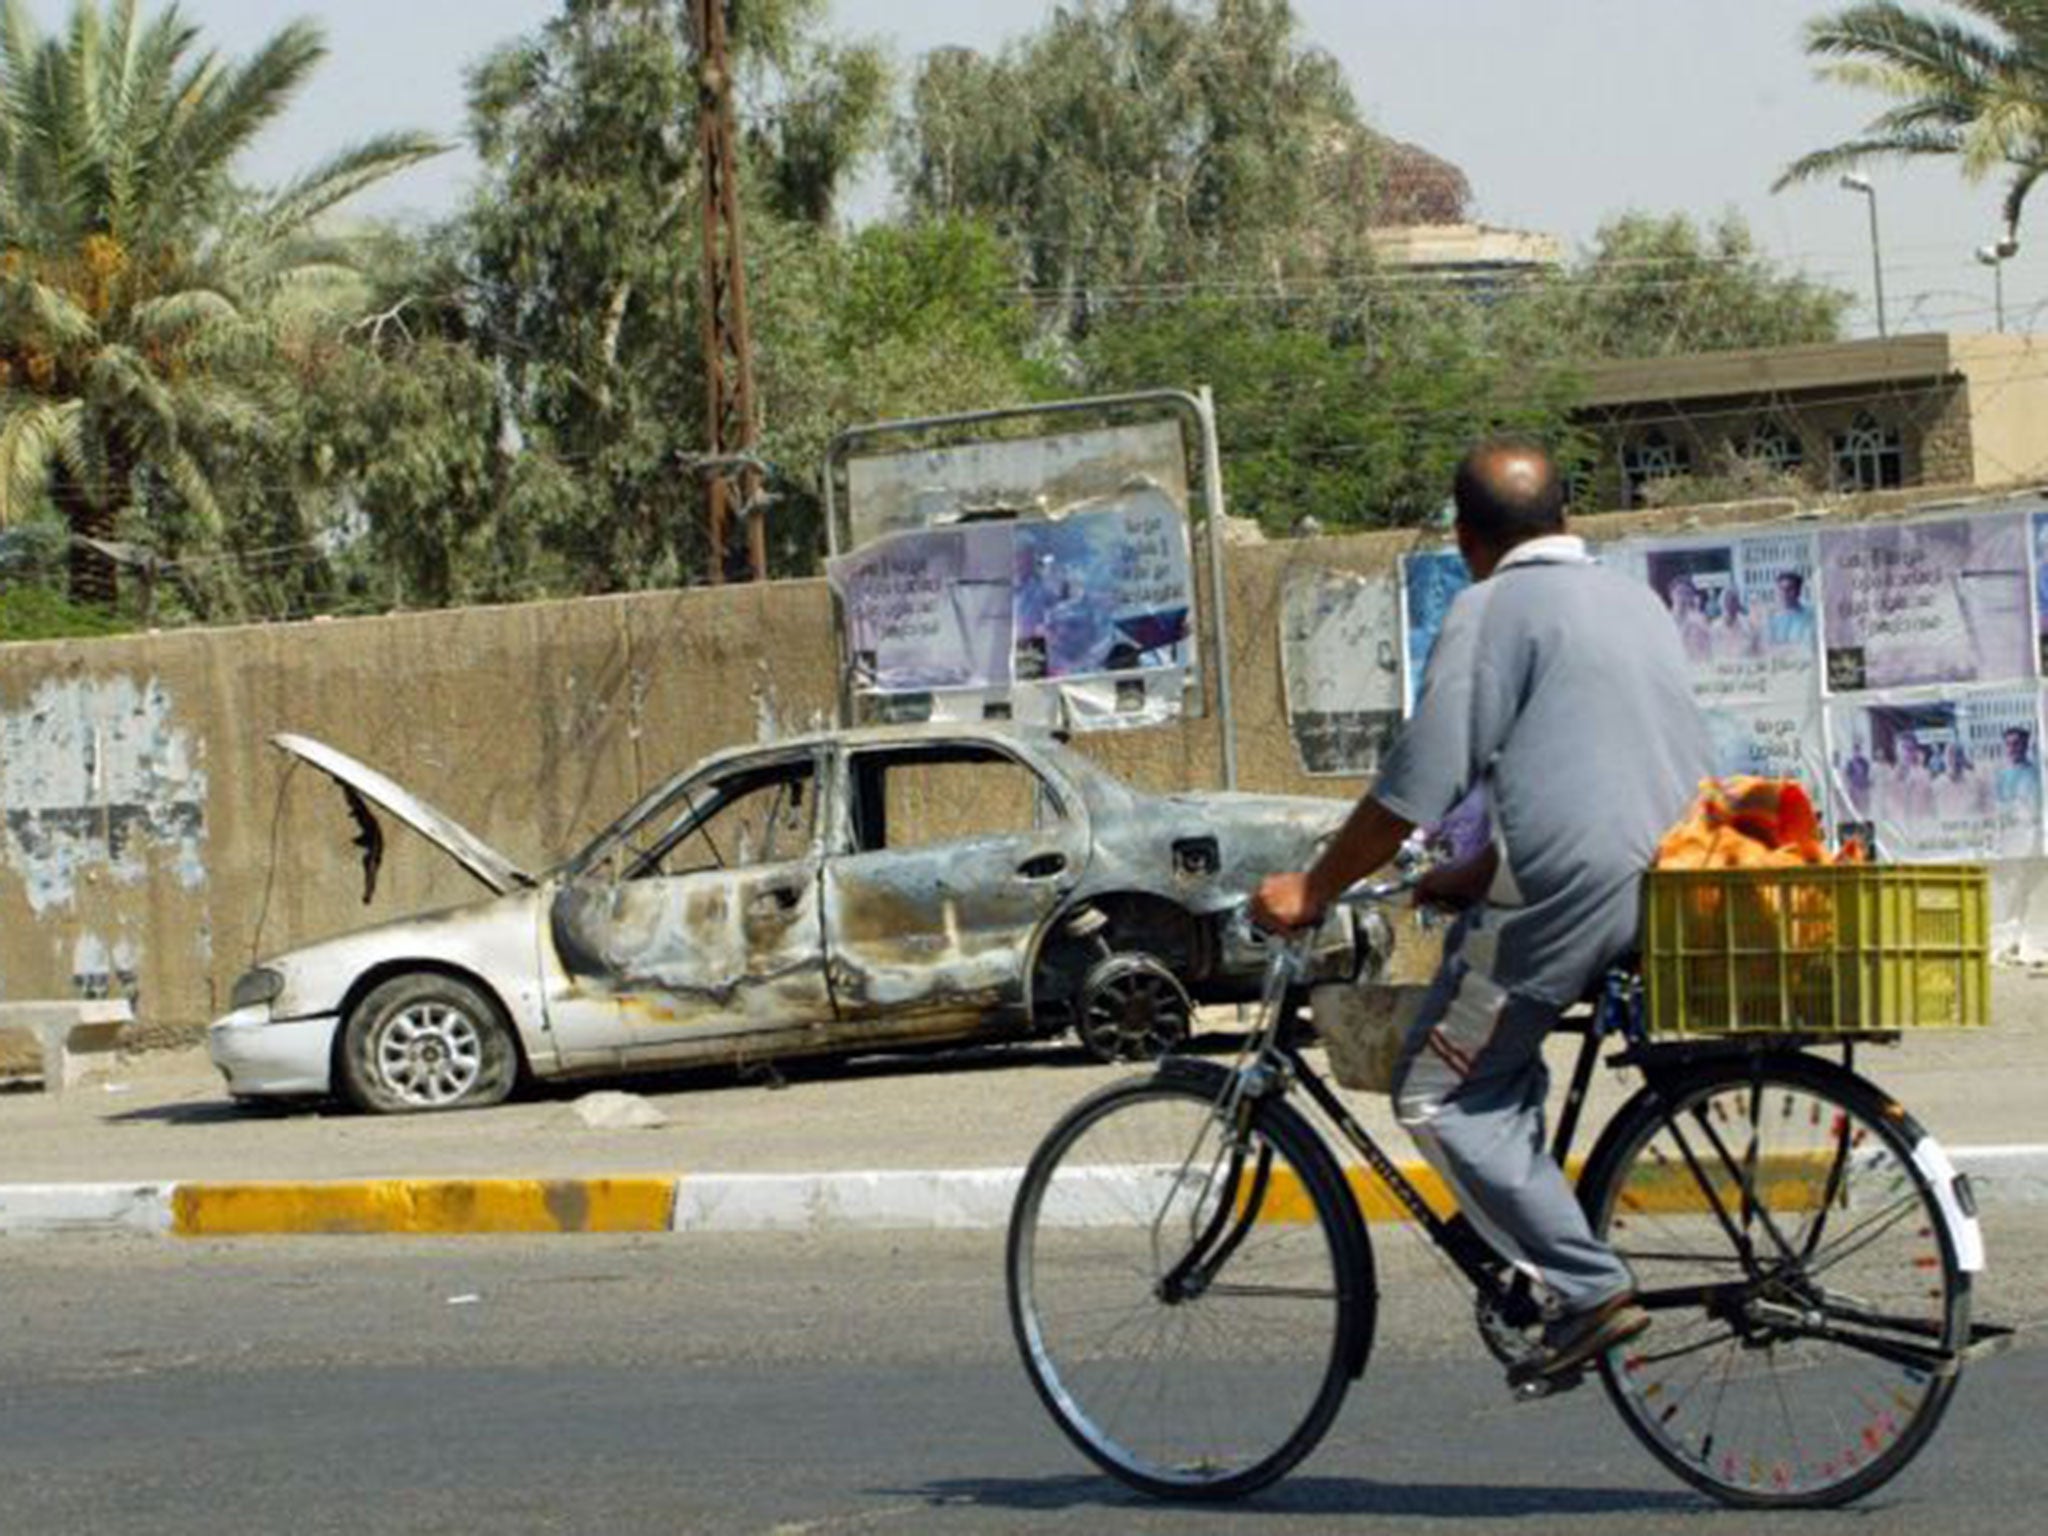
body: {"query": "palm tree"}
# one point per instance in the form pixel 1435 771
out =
pixel 1974 86
pixel 138 280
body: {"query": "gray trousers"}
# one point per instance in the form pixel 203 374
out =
pixel 1470 1090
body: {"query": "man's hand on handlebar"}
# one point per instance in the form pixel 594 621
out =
pixel 1285 903
pixel 1371 836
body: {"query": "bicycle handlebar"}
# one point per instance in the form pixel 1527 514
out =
pixel 1367 893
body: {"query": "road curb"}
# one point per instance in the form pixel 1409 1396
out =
pixel 956 1199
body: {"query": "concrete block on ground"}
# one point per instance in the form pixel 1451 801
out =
pixel 69 1032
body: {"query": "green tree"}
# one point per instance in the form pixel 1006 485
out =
pixel 1354 419
pixel 585 261
pixel 1135 146
pixel 1655 287
pixel 1970 82
pixel 139 284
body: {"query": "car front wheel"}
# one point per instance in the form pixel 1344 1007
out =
pixel 426 1041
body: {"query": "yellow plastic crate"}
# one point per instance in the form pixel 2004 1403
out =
pixel 1855 949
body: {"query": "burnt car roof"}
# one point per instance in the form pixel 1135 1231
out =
pixel 889 735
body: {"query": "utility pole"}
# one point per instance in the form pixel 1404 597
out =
pixel 732 484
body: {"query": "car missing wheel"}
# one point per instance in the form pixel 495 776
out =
pixel 849 892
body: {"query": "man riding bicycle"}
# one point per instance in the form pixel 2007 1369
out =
pixel 1561 689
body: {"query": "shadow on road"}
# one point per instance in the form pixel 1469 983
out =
pixel 208 1112
pixel 722 1077
pixel 1309 1495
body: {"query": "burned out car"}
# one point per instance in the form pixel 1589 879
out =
pixel 847 892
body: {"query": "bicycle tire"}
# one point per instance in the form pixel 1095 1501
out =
pixel 1744 1397
pixel 1211 1395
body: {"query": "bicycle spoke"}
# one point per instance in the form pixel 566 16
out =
pixel 1843 1248
pixel 1659 1357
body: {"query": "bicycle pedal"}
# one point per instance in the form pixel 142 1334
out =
pixel 1534 1389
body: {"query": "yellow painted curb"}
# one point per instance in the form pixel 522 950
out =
pixel 424 1207
pixel 1287 1201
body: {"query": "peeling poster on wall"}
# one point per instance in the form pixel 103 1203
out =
pixel 1341 669
pixel 94 776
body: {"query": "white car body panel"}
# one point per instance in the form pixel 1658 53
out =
pixel 258 1056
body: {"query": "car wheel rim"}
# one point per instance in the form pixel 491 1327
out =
pixel 429 1053
pixel 1135 1009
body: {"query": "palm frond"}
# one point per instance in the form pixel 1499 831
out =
pixel 17 53
pixel 172 316
pixel 148 102
pixel 316 281
pixel 1855 152
pixel 1882 78
pixel 33 438
pixel 113 105
pixel 231 105
pixel 119 380
pixel 1929 45
pixel 2026 21
pixel 189 480
pixel 47 315
pixel 1930 111
pixel 342 176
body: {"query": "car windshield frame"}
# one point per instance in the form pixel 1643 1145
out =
pixel 690 799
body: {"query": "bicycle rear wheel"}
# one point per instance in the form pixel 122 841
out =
pixel 1191 1299
pixel 1806 1292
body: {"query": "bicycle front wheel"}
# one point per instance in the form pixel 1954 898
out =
pixel 1805 1288
pixel 1191 1292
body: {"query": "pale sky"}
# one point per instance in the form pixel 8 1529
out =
pixel 1560 112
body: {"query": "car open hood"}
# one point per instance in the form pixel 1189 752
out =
pixel 363 784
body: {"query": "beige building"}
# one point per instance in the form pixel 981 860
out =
pixel 1468 255
pixel 1857 415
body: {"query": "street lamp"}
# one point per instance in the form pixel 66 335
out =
pixel 1855 183
pixel 1993 256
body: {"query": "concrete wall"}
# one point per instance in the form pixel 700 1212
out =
pixel 152 844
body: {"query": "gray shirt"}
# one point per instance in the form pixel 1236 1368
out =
pixel 1562 686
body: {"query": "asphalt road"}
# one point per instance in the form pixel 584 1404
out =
pixel 783 1384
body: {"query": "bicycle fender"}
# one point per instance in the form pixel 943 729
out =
pixel 1957 1204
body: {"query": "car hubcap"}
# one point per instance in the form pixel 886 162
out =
pixel 1135 1008
pixel 429 1053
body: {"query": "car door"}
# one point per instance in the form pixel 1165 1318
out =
pixel 700 930
pixel 947 857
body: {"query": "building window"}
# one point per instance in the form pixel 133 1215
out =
pixel 1869 456
pixel 1653 456
pixel 1773 446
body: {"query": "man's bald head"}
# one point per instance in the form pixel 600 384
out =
pixel 1508 490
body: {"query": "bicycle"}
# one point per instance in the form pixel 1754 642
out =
pixel 1191 1281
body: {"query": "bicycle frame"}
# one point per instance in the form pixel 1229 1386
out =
pixel 1272 1063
